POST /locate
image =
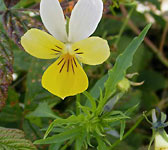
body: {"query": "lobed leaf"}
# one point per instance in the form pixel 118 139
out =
pixel 123 62
pixel 6 69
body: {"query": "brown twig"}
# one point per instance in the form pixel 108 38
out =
pixel 162 42
pixel 112 17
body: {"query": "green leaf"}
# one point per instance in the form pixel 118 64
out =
pixel 115 113
pixel 86 110
pixel 131 109
pixel 58 122
pixel 43 110
pixel 13 139
pixel 142 56
pixel 98 129
pixel 12 112
pixel 32 131
pixel 110 104
pixel 55 146
pixel 34 89
pixel 59 138
pixel 122 129
pixel 123 62
pixel 97 88
pixel 114 116
pixel 95 91
pixel 20 57
pixel 91 99
pixel 114 119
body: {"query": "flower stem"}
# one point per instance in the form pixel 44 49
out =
pixel 77 104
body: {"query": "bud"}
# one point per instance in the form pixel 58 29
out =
pixel 124 85
pixel 160 142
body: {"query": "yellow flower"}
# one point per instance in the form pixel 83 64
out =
pixel 160 143
pixel 65 77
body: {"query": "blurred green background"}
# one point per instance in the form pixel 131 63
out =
pixel 25 105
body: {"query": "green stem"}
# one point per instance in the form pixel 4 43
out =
pixel 124 25
pixel 152 139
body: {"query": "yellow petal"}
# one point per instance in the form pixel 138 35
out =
pixel 65 77
pixel 92 51
pixel 41 45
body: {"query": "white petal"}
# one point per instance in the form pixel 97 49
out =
pixel 84 19
pixel 53 18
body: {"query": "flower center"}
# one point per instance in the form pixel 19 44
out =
pixel 68 49
pixel 67 62
pixel 67 57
